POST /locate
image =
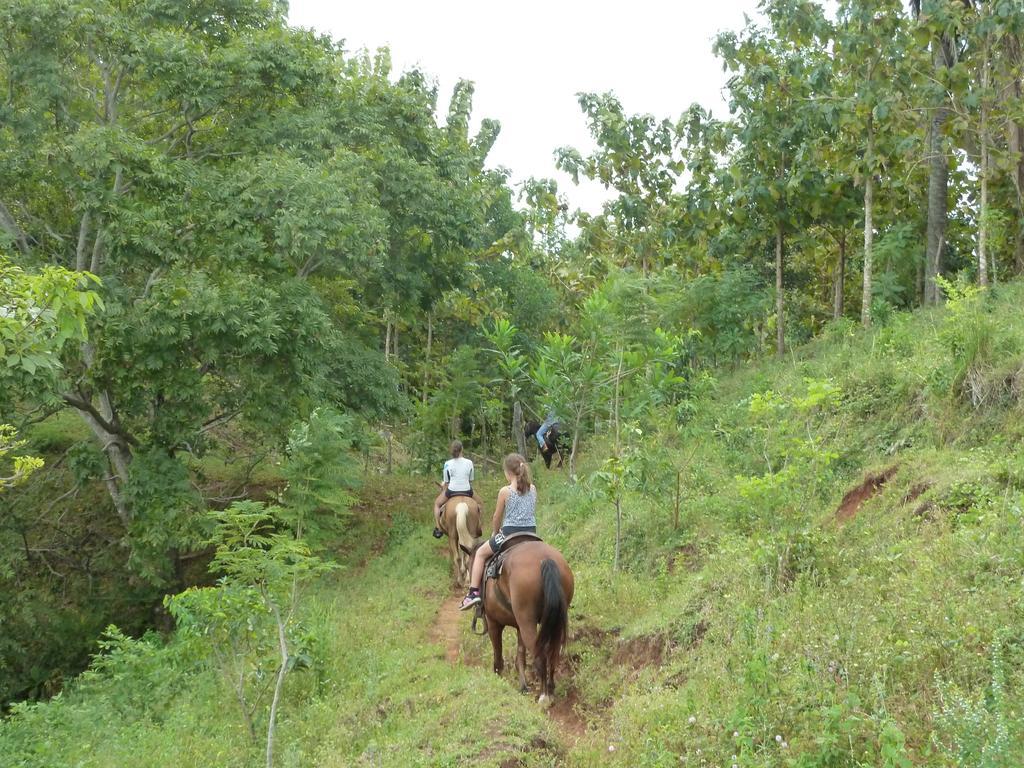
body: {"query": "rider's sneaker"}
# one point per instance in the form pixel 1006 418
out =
pixel 438 533
pixel 473 598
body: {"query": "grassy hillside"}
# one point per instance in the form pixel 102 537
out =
pixel 768 628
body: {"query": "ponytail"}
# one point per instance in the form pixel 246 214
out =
pixel 516 466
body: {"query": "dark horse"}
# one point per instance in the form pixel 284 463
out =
pixel 554 441
pixel 535 588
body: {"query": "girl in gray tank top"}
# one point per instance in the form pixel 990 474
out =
pixel 520 510
pixel 517 507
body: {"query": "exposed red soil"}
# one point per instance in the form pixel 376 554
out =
pixel 641 652
pixel 855 498
pixel 446 630
pixel 564 713
pixel 915 492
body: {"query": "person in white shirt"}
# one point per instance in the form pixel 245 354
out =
pixel 456 480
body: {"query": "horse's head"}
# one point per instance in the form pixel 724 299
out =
pixel 531 428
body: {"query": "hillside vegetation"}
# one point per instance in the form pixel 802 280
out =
pixel 253 284
pixel 769 628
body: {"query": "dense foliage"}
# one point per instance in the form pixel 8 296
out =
pixel 242 270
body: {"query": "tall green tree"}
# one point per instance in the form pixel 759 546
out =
pixel 774 72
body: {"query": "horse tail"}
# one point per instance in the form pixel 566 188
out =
pixel 554 616
pixel 466 539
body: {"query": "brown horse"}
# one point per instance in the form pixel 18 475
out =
pixel 460 519
pixel 535 588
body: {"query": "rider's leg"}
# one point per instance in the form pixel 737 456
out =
pixel 473 597
pixel 438 503
pixel 479 561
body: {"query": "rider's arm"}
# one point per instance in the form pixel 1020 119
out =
pixel 499 510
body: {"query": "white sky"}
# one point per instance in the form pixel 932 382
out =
pixel 528 60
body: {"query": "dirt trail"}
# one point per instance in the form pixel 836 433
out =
pixel 447 628
pixel 447 632
pixel 563 712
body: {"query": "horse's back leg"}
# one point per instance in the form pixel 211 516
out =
pixel 521 661
pixel 526 620
pixel 494 629
pixel 453 553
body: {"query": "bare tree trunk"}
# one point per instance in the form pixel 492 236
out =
pixel 387 339
pixel 572 453
pixel 278 685
pixel 102 421
pixel 430 341
pixel 869 230
pixel 1014 91
pixel 983 173
pixel 618 456
pixel 1018 245
pixel 780 323
pixel 839 291
pixel 518 428
pixel 938 181
pixel 982 223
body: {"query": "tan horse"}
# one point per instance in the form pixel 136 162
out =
pixel 460 519
pixel 535 588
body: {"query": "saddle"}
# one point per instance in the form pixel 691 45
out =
pixel 494 564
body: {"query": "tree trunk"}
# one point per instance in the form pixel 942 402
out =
pixel 1015 140
pixel 982 220
pixel 780 323
pixel 618 456
pixel 1018 245
pixel 618 530
pixel 387 340
pixel 278 685
pixel 839 291
pixel 102 421
pixel 869 230
pixel 518 427
pixel 938 181
pixel 427 368
pixel 983 215
pixel 943 56
pixel 572 453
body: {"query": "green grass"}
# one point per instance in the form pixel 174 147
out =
pixel 761 632
pixel 383 693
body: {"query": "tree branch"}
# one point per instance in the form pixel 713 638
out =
pixel 81 404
